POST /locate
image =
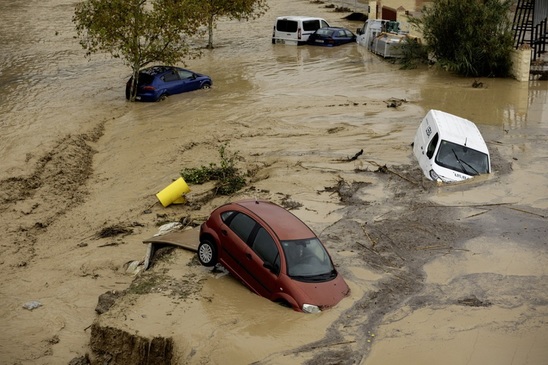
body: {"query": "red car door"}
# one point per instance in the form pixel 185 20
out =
pixel 264 262
pixel 235 252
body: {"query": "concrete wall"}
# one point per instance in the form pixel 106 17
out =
pixel 521 63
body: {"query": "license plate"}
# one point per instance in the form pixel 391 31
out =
pixel 318 40
pixel 280 41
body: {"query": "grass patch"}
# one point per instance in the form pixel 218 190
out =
pixel 146 284
pixel 228 178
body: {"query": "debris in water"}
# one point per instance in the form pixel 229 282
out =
pixel 473 301
pixel 355 157
pixel 394 103
pixel 477 84
pixel 114 230
pixel 33 304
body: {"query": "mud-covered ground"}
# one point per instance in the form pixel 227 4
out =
pixel 453 272
pixel 382 247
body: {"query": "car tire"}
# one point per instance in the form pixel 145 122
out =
pixel 207 253
pixel 206 85
pixel 162 97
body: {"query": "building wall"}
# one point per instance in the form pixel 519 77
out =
pixel 409 5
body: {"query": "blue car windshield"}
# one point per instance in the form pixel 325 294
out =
pixel 462 159
pixel 307 260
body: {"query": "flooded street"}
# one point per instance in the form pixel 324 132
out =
pixel 452 274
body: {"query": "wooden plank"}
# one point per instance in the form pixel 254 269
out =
pixel 187 239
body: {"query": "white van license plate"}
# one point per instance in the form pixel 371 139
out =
pixel 280 41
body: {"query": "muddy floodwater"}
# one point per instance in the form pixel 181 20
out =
pixel 439 274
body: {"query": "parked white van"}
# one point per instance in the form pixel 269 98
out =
pixel 295 30
pixel 450 148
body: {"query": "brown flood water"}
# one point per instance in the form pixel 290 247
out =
pixel 293 113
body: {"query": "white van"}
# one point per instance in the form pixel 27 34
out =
pixel 295 30
pixel 383 37
pixel 450 148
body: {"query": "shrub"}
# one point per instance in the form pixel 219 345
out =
pixel 227 176
pixel 469 37
pixel 414 54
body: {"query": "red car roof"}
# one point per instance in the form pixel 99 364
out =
pixel 286 225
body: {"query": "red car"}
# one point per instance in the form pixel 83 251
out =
pixel 273 253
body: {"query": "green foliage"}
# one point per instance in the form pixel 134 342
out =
pixel 227 176
pixel 138 32
pixel 234 9
pixel 414 54
pixel 469 37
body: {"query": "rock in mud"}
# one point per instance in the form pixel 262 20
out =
pixel 107 300
pixel 82 360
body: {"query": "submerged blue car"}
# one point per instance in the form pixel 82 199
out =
pixel 331 36
pixel 158 82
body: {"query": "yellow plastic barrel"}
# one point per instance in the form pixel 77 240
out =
pixel 173 193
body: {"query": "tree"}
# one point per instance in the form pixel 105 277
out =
pixel 139 32
pixel 234 9
pixel 469 37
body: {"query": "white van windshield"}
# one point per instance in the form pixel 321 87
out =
pixel 462 159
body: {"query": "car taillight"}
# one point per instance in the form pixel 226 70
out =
pixel 299 33
pixel 149 88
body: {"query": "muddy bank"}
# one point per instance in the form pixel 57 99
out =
pixel 114 346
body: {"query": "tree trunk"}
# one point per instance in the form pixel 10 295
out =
pixel 134 80
pixel 210 31
pixel 136 64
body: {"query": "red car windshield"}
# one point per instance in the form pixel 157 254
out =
pixel 307 260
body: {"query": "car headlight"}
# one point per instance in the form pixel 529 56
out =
pixel 435 176
pixel 309 308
